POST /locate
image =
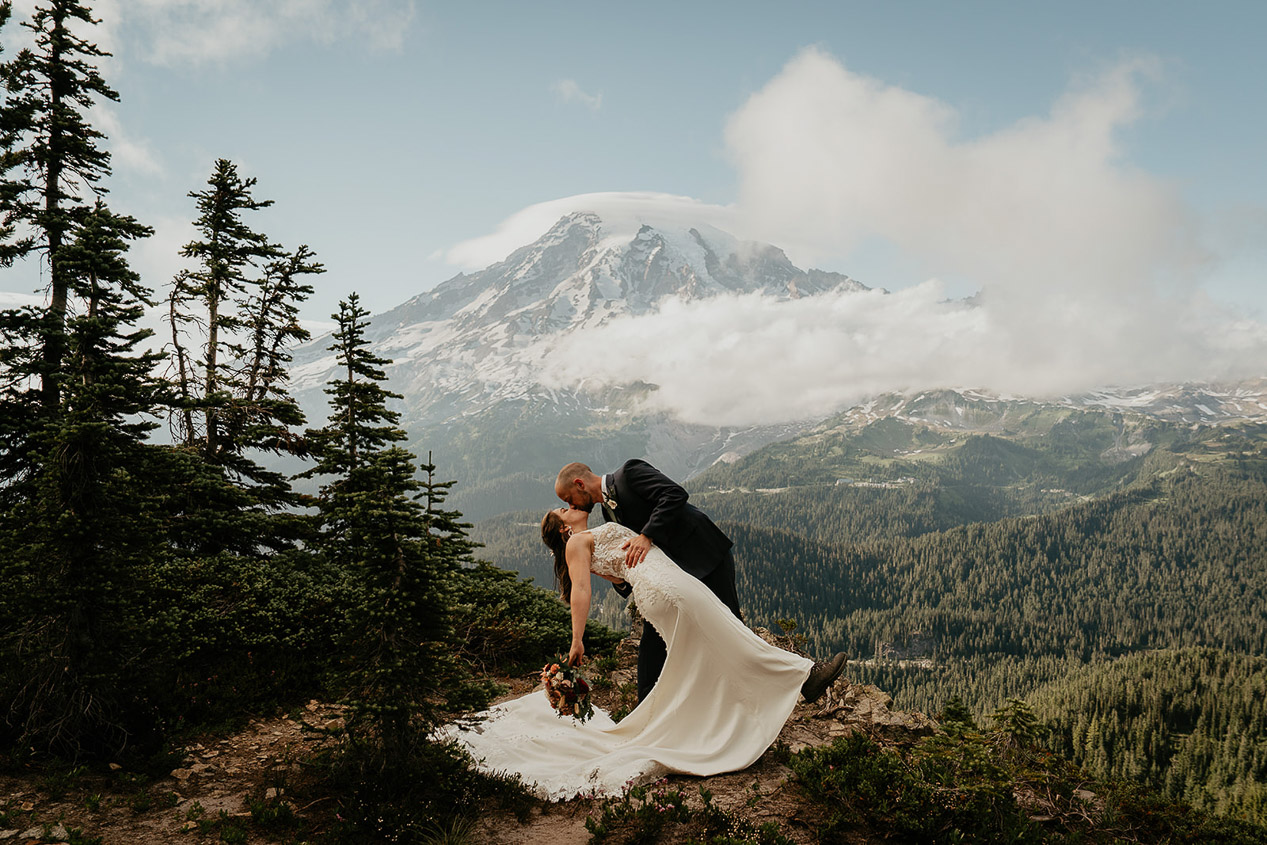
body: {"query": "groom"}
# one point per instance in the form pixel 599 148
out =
pixel 643 499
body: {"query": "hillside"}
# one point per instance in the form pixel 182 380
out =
pixel 1009 557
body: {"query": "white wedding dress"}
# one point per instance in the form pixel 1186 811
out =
pixel 720 702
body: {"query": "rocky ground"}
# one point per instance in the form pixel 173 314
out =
pixel 248 787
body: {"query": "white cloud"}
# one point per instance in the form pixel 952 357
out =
pixel 13 299
pixel 126 151
pixel 828 158
pixel 752 359
pixel 157 258
pixel 569 91
pixel 199 31
pixel 1089 268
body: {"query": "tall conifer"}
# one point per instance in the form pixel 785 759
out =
pixel 80 533
pixel 233 320
pixel 53 161
pixel 399 554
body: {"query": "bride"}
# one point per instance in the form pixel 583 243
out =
pixel 719 703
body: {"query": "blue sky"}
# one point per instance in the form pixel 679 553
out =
pixel 390 132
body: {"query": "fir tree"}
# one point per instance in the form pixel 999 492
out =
pixel 52 159
pixel 233 319
pixel 80 535
pixel 10 190
pixel 399 555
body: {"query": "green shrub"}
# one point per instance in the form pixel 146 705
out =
pixel 406 797
pixel 659 813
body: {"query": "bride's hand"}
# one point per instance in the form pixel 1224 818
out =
pixel 636 549
pixel 576 654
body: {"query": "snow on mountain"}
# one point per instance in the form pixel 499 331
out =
pixel 467 355
pixel 477 339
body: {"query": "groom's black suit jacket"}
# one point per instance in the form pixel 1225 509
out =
pixel 650 503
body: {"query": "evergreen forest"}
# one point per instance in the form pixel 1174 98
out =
pixel 158 576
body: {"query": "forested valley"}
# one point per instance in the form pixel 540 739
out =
pixel 1024 563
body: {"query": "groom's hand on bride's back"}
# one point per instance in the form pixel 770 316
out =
pixel 636 549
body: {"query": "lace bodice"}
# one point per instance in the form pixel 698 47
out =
pixel 609 557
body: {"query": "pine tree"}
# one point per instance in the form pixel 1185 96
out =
pixel 360 422
pixel 80 536
pixel 233 320
pixel 399 555
pixel 10 135
pixel 52 159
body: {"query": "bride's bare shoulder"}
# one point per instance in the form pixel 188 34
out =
pixel 581 540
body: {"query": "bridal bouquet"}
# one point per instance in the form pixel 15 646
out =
pixel 567 690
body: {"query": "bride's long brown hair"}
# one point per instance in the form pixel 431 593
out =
pixel 552 535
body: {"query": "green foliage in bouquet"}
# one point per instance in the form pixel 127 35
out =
pixel 567 690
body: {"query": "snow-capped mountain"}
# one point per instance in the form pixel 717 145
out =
pixel 470 350
pixel 468 357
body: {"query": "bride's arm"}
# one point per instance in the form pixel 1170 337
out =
pixel 579 554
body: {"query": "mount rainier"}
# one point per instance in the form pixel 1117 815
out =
pixel 467 355
pixel 468 358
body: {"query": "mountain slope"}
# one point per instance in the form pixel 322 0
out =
pixel 467 355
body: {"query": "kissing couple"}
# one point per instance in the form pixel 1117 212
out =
pixel 712 695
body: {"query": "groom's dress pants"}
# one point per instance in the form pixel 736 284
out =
pixel 651 648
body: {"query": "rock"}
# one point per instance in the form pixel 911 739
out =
pixel 114 767
pixel 271 794
pixel 8 834
pixel 189 827
pixel 181 774
pixel 57 834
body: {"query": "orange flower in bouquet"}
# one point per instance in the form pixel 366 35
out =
pixel 567 690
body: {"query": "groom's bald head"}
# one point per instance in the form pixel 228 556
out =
pixel 579 486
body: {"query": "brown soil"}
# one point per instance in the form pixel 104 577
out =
pixel 208 797
pixel 212 788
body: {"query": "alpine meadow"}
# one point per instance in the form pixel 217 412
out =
pixel 223 517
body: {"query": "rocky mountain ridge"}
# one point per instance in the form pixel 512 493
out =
pixel 467 355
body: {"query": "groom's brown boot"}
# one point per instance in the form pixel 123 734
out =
pixel 822 676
